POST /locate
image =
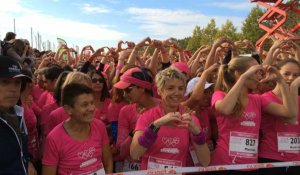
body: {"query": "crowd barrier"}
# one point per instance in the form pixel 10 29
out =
pixel 210 168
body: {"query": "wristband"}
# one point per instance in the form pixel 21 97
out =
pixel 200 138
pixel 147 138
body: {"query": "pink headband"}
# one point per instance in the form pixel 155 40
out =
pixel 135 81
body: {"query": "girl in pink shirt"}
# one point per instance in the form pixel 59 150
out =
pixel 280 136
pixel 101 95
pixel 137 86
pixel 239 113
pixel 79 145
pixel 163 133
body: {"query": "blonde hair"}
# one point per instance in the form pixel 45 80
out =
pixel 77 77
pixel 167 74
pixel 226 78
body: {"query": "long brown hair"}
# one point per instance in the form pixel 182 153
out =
pixel 226 78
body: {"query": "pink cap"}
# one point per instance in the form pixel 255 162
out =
pixel 127 79
pixel 182 67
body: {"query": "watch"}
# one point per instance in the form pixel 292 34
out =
pixel 153 128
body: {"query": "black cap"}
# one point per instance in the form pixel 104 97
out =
pixel 10 68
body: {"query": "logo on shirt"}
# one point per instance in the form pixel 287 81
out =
pixel 249 117
pixel 86 154
pixel 170 141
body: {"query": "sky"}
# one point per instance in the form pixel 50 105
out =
pixel 105 22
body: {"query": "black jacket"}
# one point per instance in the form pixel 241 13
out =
pixel 13 144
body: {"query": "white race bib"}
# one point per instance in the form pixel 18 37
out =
pixel 288 142
pixel 131 165
pixel 158 163
pixel 243 144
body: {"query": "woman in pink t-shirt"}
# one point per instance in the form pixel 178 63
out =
pixel 79 145
pixel 137 86
pixel 101 95
pixel 239 113
pixel 59 115
pixel 163 133
pixel 280 136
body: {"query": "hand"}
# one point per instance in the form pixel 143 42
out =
pixel 31 169
pixel 145 42
pixel 189 124
pixel 272 74
pixel 253 71
pixel 156 44
pixel 170 119
pixel 130 44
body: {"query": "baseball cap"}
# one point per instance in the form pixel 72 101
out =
pixel 129 78
pixel 10 68
pixel 182 67
pixel 192 83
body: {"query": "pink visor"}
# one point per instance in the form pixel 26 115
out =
pixel 127 79
pixel 182 67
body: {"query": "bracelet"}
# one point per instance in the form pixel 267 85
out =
pixel 147 138
pixel 200 138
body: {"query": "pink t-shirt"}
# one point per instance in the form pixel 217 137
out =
pixel 278 140
pixel 36 93
pixel 46 110
pixel 31 124
pixel 101 112
pixel 171 146
pixel 114 110
pixel 45 98
pixel 206 115
pixel 56 117
pixel 72 156
pixel 238 137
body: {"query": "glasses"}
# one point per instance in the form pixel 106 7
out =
pixel 129 89
pixel 95 80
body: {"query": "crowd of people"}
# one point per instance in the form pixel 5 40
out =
pixel 148 105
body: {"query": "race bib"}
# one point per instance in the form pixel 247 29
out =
pixel 131 165
pixel 99 172
pixel 158 163
pixel 288 142
pixel 243 144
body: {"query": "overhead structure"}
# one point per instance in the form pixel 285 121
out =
pixel 275 17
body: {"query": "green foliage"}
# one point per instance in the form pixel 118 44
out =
pixel 228 30
pixel 250 28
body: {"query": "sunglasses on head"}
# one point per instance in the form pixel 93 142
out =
pixel 100 80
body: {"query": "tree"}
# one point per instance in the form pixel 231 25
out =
pixel 292 20
pixel 195 41
pixel 209 33
pixel 228 30
pixel 250 28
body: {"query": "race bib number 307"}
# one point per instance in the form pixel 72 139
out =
pixel 243 144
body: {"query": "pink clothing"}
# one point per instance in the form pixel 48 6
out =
pixel 101 112
pixel 206 115
pixel 171 146
pixel 31 124
pixel 238 137
pixel 273 130
pixel 46 110
pixel 113 110
pixel 45 98
pixel 56 117
pixel 71 156
pixel 36 93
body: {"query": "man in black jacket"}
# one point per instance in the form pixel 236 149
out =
pixel 14 158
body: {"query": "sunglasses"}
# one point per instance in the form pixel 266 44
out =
pixel 129 89
pixel 100 80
